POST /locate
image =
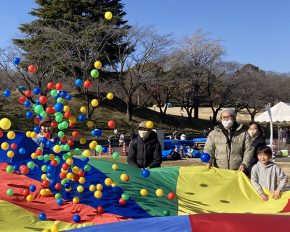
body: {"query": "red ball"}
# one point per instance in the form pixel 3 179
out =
pixel 87 84
pixel 75 134
pixel 38 152
pixel 28 93
pixel 50 85
pixel 1 133
pixel 100 210
pixel 122 201
pixel 49 110
pixel 54 163
pixel 76 177
pixel 22 99
pixel 53 124
pixel 58 186
pixel 58 86
pixel 45 183
pixel 24 169
pixel 67 114
pixel 71 125
pixel 171 196
pixel 70 142
pixel 111 124
pixel 62 175
pixel 32 68
pixel 63 139
pixel 65 166
pixel 25 192
pixel 36 120
pixel 42 99
pixel 81 173
pixel 13 145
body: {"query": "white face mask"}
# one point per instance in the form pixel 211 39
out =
pixel 228 124
pixel 253 133
pixel 143 134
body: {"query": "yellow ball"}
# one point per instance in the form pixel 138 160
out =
pixel 69 161
pixel 80 189
pixel 93 145
pixel 83 109
pixel 86 153
pixel 124 177
pixel 95 102
pixel 68 189
pixel 72 120
pixel 45 230
pixel 5 123
pixel 90 124
pixel 29 198
pixel 56 148
pixel 98 64
pixel 144 192
pixel 159 193
pixel 51 156
pixel 92 188
pixel 33 155
pixel 83 141
pixel 4 146
pixel 28 134
pixel 149 124
pixel 82 180
pixel 43 176
pixel 99 187
pixel 66 108
pixel 108 181
pixel 110 96
pixel 64 171
pixel 33 135
pixel 108 15
pixel 54 228
pixel 75 169
pixel 98 194
pixel 10 135
pixel 115 166
pixel 47 191
pixel 114 184
pixel 76 200
pixel 42 192
pixel 70 176
pixel 10 154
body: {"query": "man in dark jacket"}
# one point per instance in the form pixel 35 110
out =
pixel 145 150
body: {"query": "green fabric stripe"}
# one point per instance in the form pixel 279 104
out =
pixel 164 178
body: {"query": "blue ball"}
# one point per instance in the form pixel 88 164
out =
pixel 98 132
pixel 204 157
pixel 22 151
pixel 50 175
pixel 49 144
pixel 36 129
pixel 42 216
pixel 58 107
pixel 37 102
pixel 81 118
pixel 68 97
pixel 29 114
pixel 86 159
pixel 104 149
pixel 36 90
pixel 50 169
pixel 145 173
pixel 39 116
pixel 78 82
pixel 27 103
pixel 34 168
pixel 63 94
pixel 76 218
pixel 52 182
pixel 32 188
pixel 43 140
pixel 16 60
pixel 67 185
pixel 6 93
pixel 59 201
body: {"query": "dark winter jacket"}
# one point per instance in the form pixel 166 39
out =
pixel 143 154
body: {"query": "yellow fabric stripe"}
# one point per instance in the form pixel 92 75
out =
pixel 204 190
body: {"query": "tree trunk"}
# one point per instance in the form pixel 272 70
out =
pixel 189 114
pixel 129 109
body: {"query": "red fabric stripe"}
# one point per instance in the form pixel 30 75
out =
pixel 48 205
pixel 239 222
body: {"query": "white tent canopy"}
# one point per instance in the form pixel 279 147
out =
pixel 280 113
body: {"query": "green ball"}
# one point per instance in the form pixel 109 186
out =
pixel 58 118
pixel 60 134
pixel 87 167
pixel 77 151
pixel 9 169
pixel 66 147
pixel 64 124
pixel 53 92
pixel 9 192
pixel 38 109
pixel 30 164
pixel 125 196
pixel 43 114
pixel 57 159
pixel 40 157
pixel 57 196
pixel 43 168
pixel 94 73
pixel 70 155
pixel 166 212
pixel 116 155
pixel 46 157
pixel 60 100
pixel 65 156
pixel 99 148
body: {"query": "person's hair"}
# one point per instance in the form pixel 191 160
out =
pixel 265 150
pixel 260 129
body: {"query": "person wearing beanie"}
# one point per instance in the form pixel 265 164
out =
pixel 45 130
pixel 145 150
pixel 229 144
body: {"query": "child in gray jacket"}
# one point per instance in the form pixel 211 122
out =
pixel 265 173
